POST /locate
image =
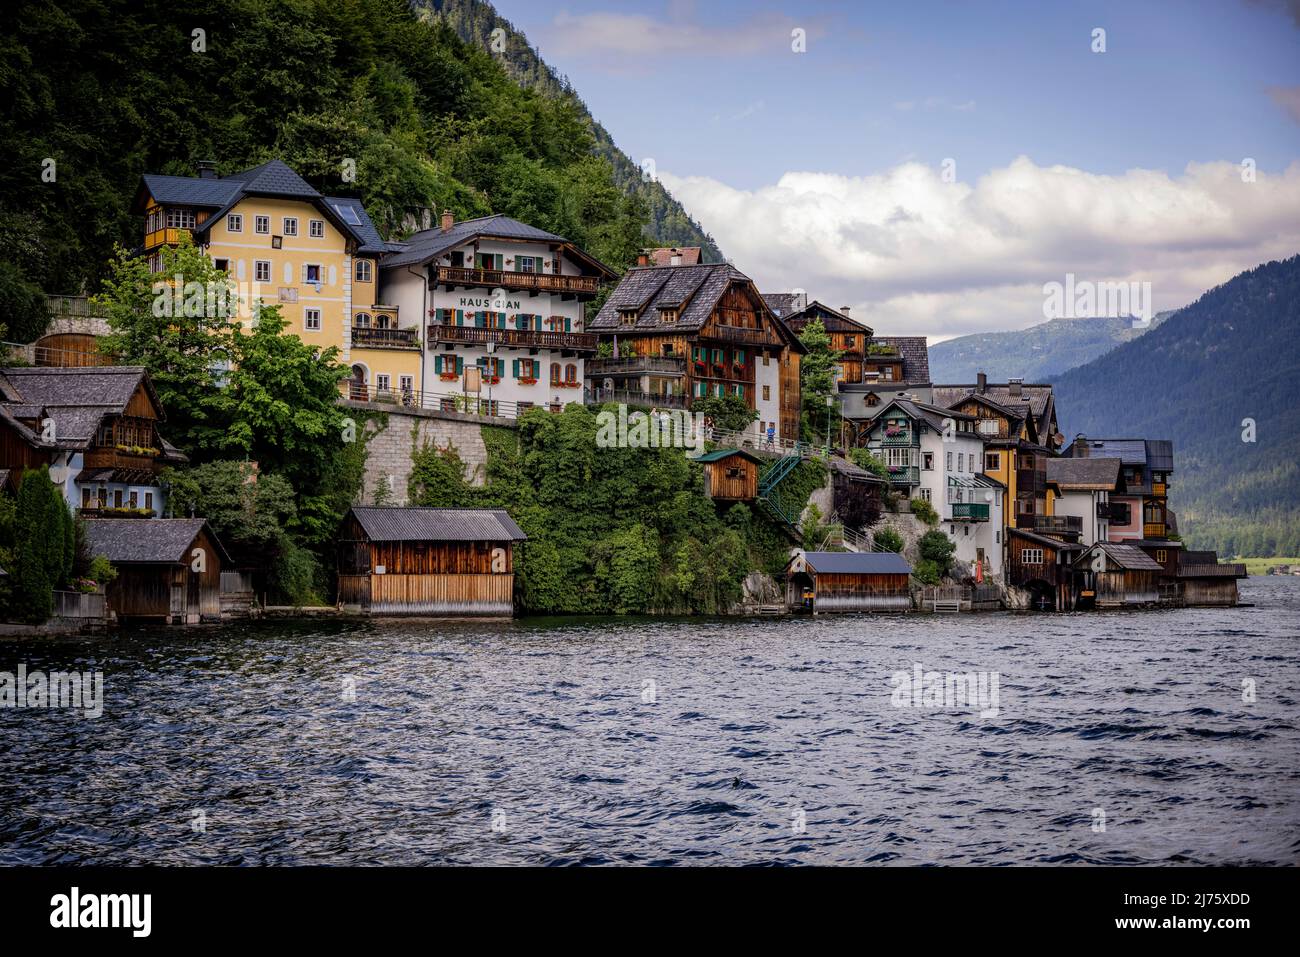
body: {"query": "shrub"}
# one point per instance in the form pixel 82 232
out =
pixel 925 511
pixel 937 548
pixel 889 540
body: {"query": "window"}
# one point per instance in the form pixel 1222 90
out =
pixel 992 461
pixel 925 494
pixel 488 261
pixel 767 393
pixel 961 461
pixel 180 219
pixel 117 498
pixel 133 500
pixel 947 461
pixel 311 320
pixel 85 497
pixel 873 399
pixel 262 270
pixel 988 426
pixel 311 272
pixel 262 224
pixel 526 264
pixel 927 461
pixel 362 319
pixel 291 226
pixel 148 500
pixel 235 222
pixel 382 382
pixel 365 270
pixel 221 265
pixel 316 228
pixel 1161 555
pixel 556 372
pixel 571 374
pixel 1031 556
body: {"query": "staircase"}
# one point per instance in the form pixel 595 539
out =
pixel 769 494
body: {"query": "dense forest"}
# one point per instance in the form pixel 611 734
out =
pixel 96 92
pixel 1215 378
pixel 474 21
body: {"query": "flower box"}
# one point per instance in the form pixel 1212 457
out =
pixel 527 380
pixel 448 376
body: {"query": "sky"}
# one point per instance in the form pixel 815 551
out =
pixel 934 165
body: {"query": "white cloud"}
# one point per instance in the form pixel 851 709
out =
pixel 915 255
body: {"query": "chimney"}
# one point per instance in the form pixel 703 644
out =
pixel 448 219
pixel 1013 387
pixel 643 259
pixel 207 169
pixel 1081 450
pixel 982 383
pixel 676 259
pixel 845 309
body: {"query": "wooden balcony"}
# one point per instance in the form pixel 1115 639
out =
pixel 1058 524
pixel 165 237
pixel 969 512
pixel 635 365
pixel 757 337
pixel 898 441
pixel 904 475
pixel 531 281
pixel 367 337
pixel 517 338
pixel 1154 529
pixel 649 400
pixel 112 458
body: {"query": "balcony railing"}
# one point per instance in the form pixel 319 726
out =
pixel 970 511
pixel 897 441
pixel 367 337
pixel 741 334
pixel 1058 524
pixel 541 282
pixel 168 236
pixel 904 475
pixel 113 458
pixel 520 338
pixel 650 400
pixel 1154 529
pixel 635 365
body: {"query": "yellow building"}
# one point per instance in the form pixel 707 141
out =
pixel 285 243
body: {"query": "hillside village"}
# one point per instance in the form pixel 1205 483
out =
pixel 879 489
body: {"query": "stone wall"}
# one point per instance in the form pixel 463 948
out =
pixel 402 432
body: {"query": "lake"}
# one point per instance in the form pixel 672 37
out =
pixel 1115 738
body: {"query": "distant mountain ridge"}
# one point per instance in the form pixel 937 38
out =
pixel 1034 354
pixel 475 20
pixel 1214 376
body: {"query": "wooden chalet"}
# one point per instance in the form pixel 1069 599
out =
pixel 848 582
pixel 850 338
pixel 427 561
pixel 1202 580
pixel 1042 566
pixel 730 475
pixel 168 569
pixel 893 367
pixel 1114 575
pixel 682 333
pixel 97 427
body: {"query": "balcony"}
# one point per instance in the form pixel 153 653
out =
pixel 649 400
pixel 531 281
pixel 1154 529
pixel 758 337
pixel 904 475
pixel 170 236
pixel 635 365
pixel 1058 524
pixel 517 338
pixel 108 457
pixel 904 440
pixel 969 512
pixel 366 337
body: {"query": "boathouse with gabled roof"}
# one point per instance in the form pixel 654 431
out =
pixel 168 569
pixel 848 582
pixel 427 561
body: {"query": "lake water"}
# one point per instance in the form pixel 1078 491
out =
pixel 1119 738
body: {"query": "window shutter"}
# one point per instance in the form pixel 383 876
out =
pixel 437 364
pixel 516 368
pixel 460 365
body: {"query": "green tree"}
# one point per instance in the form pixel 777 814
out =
pixel 866 460
pixel 43 538
pixel 817 380
pixel 938 549
pixel 728 412
pixel 437 478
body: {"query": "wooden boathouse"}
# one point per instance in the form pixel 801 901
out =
pixel 1115 575
pixel 1041 565
pixel 1202 580
pixel 168 569
pixel 848 582
pixel 427 561
pixel 730 475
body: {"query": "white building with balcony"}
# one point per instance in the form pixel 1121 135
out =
pixel 504 310
pixel 936 455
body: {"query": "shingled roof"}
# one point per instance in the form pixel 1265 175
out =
pixel 1083 473
pixel 1128 557
pixel 834 320
pixel 220 194
pixel 412 524
pixel 147 541
pixel 785 304
pixel 932 415
pixel 916 359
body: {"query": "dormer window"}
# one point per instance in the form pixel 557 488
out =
pixel 627 317
pixel 668 315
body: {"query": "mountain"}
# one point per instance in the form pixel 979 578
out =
pixel 475 20
pixel 1034 354
pixel 1205 378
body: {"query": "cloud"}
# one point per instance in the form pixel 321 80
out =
pixel 1287 97
pixel 916 255
pixel 623 40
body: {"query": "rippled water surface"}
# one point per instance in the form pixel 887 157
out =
pixel 669 742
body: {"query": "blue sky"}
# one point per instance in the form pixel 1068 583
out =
pixel 714 94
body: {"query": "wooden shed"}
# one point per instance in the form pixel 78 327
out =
pixel 427 561
pixel 1203 581
pixel 1114 575
pixel 848 581
pixel 1042 566
pixel 168 569
pixel 730 475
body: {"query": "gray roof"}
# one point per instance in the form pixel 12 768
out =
pixel 832 319
pixel 693 291
pixel 915 355
pixel 1083 473
pixel 932 415
pixel 274 178
pixel 428 244
pixel 718 455
pixel 785 304
pixel 146 541
pixel 192 190
pixel 76 398
pixel 367 236
pixel 1037 396
pixel 1129 557
pixel 858 563
pixel 412 524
